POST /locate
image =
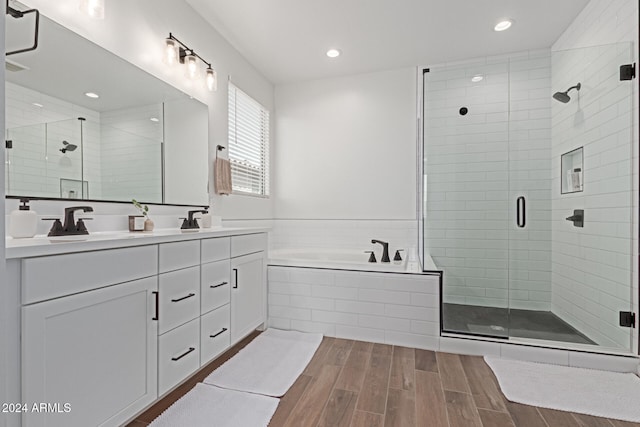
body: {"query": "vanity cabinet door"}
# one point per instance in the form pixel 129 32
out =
pixel 93 356
pixel 247 294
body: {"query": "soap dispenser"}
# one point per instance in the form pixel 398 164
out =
pixel 23 222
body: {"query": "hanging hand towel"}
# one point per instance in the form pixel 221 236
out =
pixel 222 176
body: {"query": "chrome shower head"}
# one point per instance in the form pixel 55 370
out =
pixel 564 96
pixel 68 147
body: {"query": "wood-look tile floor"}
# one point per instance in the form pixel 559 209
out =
pixel 360 384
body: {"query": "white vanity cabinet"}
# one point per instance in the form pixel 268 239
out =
pixel 106 332
pixel 247 284
pixel 93 351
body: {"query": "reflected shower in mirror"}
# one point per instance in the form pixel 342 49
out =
pixel 98 127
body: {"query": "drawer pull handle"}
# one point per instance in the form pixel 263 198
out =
pixel 217 286
pixel 222 331
pixel 157 297
pixel 175 359
pixel 183 298
pixel 235 272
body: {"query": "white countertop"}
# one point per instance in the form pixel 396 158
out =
pixel 41 245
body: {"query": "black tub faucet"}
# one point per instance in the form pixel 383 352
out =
pixel 191 222
pixel 385 250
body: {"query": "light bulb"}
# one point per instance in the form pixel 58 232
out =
pixel 93 8
pixel 170 51
pixel 212 79
pixel 192 65
pixel 333 53
pixel 503 25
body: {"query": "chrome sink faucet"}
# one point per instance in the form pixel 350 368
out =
pixel 385 250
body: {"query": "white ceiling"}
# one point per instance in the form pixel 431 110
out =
pixel 287 39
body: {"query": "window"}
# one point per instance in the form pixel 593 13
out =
pixel 248 144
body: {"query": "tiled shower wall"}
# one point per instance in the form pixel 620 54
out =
pixel 592 266
pixel 476 165
pixel 35 163
pixel 129 158
pixel 112 150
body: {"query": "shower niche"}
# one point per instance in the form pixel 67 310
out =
pixel 572 171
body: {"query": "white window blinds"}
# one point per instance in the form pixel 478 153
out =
pixel 248 144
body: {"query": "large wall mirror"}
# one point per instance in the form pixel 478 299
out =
pixel 140 138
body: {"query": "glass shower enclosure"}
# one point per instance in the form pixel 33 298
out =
pixel 527 195
pixel 83 159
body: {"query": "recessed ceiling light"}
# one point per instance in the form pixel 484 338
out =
pixel 154 119
pixel 333 53
pixel 37 104
pixel 92 95
pixel 477 78
pixel 505 24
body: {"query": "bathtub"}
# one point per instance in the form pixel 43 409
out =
pixel 339 259
pixel 340 294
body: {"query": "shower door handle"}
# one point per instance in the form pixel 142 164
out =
pixel 521 216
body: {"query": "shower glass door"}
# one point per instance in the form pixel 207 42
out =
pixel 570 154
pixel 528 195
pixel 466 171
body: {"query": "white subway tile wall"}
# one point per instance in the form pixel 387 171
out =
pixel 399 309
pixel 110 150
pixel 131 164
pixel 35 164
pixel 477 162
pixel 592 266
pixel 344 234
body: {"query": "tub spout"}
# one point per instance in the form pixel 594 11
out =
pixel 385 250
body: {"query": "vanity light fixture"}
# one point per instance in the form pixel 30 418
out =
pixel 93 8
pixel 333 53
pixel 505 24
pixel 177 52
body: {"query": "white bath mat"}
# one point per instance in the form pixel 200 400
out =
pixel 269 364
pixel 585 391
pixel 209 406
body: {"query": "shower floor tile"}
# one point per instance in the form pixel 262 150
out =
pixel 502 323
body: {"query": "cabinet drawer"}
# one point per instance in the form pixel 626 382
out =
pixel 215 285
pixel 248 244
pixel 178 355
pixel 215 334
pixel 179 255
pixel 58 275
pixel 179 298
pixel 215 249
